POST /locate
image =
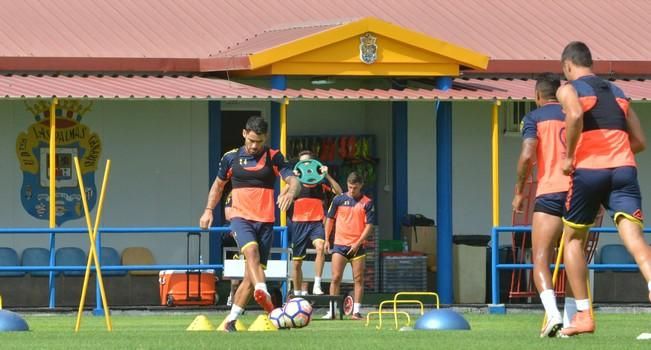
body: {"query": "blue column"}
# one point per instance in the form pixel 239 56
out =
pixel 444 201
pixel 400 148
pixel 444 83
pixel 99 307
pixel 278 82
pixel 52 278
pixel 214 156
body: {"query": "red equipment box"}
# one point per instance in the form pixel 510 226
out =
pixel 180 287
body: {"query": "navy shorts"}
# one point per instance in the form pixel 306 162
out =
pixel 616 189
pixel 343 250
pixel 247 232
pixel 550 203
pixel 304 233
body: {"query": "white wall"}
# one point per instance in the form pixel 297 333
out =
pixel 378 122
pixel 421 161
pixel 326 118
pixel 159 173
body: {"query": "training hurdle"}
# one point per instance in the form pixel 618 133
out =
pixel 380 313
pixel 395 301
pixel 496 266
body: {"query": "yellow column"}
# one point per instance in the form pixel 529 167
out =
pixel 283 149
pixel 53 128
pixel 495 164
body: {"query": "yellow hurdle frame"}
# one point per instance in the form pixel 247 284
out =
pixel 380 313
pixel 396 300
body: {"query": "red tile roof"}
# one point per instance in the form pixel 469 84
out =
pixel 174 35
pixel 462 89
pixel 136 87
pixel 168 87
pixel 273 38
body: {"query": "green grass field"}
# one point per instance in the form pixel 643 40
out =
pixel 512 331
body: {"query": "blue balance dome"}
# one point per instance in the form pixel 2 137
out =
pixel 441 319
pixel 12 322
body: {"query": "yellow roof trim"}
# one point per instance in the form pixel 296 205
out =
pixel 354 69
pixel 462 56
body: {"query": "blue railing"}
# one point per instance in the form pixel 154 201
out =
pixel 496 266
pixel 52 268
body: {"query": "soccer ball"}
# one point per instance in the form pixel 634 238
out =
pixel 298 312
pixel 279 319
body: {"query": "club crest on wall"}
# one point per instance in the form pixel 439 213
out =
pixel 73 139
pixel 368 48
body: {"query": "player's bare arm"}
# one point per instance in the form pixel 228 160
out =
pixel 569 100
pixel 334 185
pixel 635 132
pixel 525 163
pixel 329 227
pixel 286 198
pixel 367 231
pixel 214 196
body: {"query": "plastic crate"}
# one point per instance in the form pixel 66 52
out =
pixel 404 272
pixel 390 245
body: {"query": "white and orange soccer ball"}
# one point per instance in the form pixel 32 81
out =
pixel 279 319
pixel 298 312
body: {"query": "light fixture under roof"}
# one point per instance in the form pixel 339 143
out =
pixel 322 81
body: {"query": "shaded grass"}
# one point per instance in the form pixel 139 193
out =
pixel 513 331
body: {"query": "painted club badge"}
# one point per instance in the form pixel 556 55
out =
pixel 368 48
pixel 73 139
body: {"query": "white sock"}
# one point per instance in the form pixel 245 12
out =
pixel 317 282
pixel 356 307
pixel 298 293
pixel 262 286
pixel 303 292
pixel 236 311
pixel 648 284
pixel 569 311
pixel 548 299
pixel 582 304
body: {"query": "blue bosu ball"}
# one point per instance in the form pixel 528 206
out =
pixel 12 322
pixel 442 319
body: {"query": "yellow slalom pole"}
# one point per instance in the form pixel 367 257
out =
pixel 589 296
pixel 587 276
pixel 495 164
pixel 92 232
pixel 53 193
pixel 98 216
pixel 283 149
pixel 557 266
pixel 84 201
